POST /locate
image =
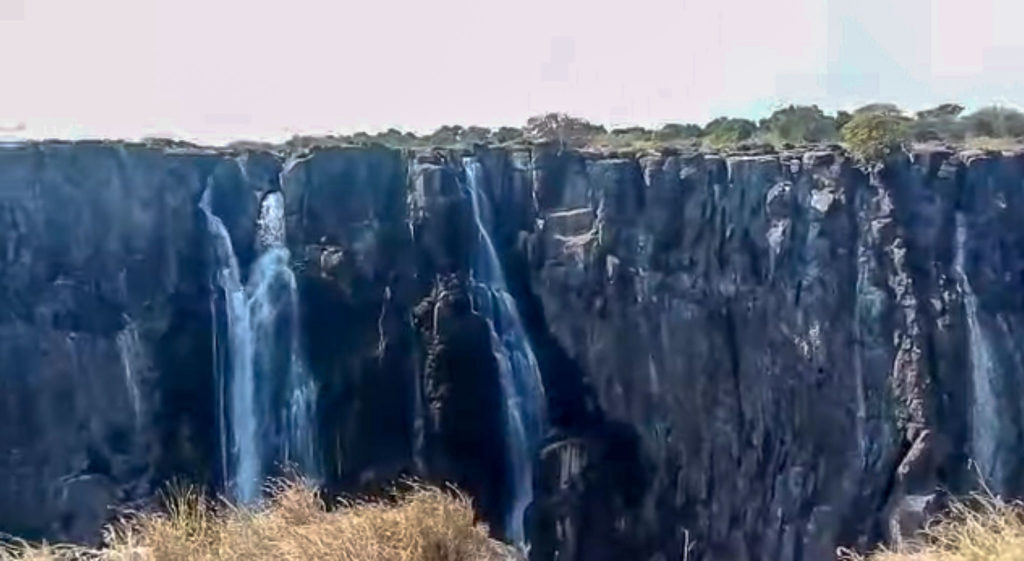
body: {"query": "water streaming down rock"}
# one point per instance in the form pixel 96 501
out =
pixel 274 311
pixel 129 349
pixel 520 374
pixel 240 447
pixel 267 398
pixel 984 420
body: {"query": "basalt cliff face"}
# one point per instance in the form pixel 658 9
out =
pixel 743 357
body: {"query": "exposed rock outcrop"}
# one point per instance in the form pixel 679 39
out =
pixel 751 357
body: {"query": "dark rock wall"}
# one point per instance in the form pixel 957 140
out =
pixel 750 357
pixel 95 237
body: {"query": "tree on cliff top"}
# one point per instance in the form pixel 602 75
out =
pixel 890 109
pixel 872 136
pixel 565 129
pixel 507 134
pixel 798 124
pixel 678 131
pixel 938 123
pixel 995 122
pixel 946 110
pixel 446 135
pixel 724 131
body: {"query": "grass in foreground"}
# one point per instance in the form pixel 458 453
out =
pixel 981 529
pixel 423 524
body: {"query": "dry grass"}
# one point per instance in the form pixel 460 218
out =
pixel 421 524
pixel 980 529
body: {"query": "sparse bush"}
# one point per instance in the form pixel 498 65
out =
pixel 872 136
pixel 420 524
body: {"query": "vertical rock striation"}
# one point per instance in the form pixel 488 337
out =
pixel 747 357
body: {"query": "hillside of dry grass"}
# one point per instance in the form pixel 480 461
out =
pixel 419 524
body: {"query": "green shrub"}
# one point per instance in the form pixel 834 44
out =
pixel 872 136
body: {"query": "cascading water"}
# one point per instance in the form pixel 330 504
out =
pixel 520 375
pixel 129 348
pixel 242 455
pixel 274 312
pixel 266 396
pixel 985 425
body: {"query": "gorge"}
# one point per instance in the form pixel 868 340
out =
pixel 619 356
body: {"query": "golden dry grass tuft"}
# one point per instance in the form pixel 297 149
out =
pixel 420 524
pixel 979 529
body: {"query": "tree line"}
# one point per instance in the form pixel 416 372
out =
pixel 869 131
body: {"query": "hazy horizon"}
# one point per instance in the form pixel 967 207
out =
pixel 230 70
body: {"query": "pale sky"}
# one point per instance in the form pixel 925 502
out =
pixel 219 70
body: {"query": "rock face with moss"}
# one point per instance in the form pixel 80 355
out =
pixel 750 357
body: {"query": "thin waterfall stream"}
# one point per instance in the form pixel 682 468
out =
pixel 266 395
pixel 985 422
pixel 130 350
pixel 520 374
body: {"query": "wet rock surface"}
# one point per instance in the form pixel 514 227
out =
pixel 755 357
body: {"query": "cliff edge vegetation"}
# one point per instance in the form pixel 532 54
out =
pixel 869 132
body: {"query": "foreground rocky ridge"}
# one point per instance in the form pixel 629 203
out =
pixel 750 356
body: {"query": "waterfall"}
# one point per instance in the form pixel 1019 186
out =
pixel 520 375
pixel 985 425
pixel 266 397
pixel 129 349
pixel 238 430
pixel 274 311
